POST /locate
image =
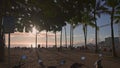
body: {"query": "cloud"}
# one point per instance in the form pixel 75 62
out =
pixel 50 34
pixel 76 36
pixel 91 40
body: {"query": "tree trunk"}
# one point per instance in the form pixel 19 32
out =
pixel 70 36
pixel 112 34
pixel 46 40
pixel 65 37
pixel 60 49
pixel 96 37
pixel 85 34
pixel 55 40
pixel 61 39
pixel 2 41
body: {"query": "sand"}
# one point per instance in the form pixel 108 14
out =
pixel 51 57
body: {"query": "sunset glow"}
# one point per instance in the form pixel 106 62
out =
pixel 34 30
pixel 28 39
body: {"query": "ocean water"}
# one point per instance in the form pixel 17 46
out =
pixel 33 45
pixel 20 45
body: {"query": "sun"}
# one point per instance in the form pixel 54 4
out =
pixel 34 30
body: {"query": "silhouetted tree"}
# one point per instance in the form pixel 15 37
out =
pixel 97 8
pixel 113 7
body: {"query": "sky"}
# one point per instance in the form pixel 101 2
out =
pixel 28 39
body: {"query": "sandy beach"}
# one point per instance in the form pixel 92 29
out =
pixel 52 57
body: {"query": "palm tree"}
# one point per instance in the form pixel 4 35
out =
pixel 5 6
pixel 71 33
pixel 69 12
pixel 73 23
pixel 54 31
pixel 81 15
pixel 85 33
pixel 70 36
pixel 46 39
pixel 65 36
pixel 98 8
pixel 61 38
pixel 87 19
pixel 55 40
pixel 113 6
pixel 117 17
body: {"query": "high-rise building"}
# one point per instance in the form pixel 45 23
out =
pixel 119 30
pixel 108 42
